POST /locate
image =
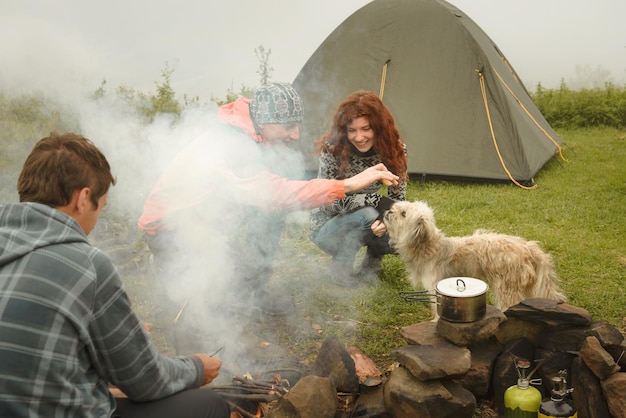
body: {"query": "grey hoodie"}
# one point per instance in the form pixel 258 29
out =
pixel 67 329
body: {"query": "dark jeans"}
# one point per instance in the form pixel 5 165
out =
pixel 255 256
pixel 194 403
pixel 246 256
pixel 250 255
pixel 344 235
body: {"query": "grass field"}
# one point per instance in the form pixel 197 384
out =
pixel 576 213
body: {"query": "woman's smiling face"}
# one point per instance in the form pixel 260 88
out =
pixel 360 134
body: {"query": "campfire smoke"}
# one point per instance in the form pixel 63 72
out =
pixel 210 307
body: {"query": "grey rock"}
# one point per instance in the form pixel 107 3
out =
pixel 597 359
pixel 429 362
pixel 334 362
pixel 587 395
pixel 312 396
pixel 465 333
pixel 614 389
pixel 549 312
pixel 406 396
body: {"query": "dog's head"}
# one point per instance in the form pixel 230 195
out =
pixel 409 223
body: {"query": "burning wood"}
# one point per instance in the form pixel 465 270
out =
pixel 244 390
pixel 242 412
pixel 181 311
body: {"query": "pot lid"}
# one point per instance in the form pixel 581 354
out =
pixel 461 287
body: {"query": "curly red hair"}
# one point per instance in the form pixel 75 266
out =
pixel 387 142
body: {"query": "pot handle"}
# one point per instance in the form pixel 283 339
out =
pixel 419 296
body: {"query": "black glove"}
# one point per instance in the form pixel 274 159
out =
pixel 384 204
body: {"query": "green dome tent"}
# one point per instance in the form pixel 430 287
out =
pixel 459 105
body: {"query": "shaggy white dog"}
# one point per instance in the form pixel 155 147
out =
pixel 514 268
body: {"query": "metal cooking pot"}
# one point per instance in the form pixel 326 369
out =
pixel 458 299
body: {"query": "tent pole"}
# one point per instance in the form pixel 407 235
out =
pixel 481 79
pixel 382 80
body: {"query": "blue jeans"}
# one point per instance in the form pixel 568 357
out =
pixel 344 235
pixel 254 257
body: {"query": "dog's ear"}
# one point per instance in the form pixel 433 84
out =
pixel 416 233
pixel 422 230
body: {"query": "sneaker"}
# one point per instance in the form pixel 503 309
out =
pixel 370 266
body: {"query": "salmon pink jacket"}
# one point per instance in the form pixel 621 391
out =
pixel 221 164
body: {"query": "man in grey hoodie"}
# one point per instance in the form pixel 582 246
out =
pixel 68 332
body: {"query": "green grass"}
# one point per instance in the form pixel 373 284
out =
pixel 576 213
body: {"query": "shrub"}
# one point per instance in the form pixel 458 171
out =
pixel 565 108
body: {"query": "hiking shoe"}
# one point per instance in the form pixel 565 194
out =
pixel 370 266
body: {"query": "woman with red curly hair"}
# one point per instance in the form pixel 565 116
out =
pixel 363 134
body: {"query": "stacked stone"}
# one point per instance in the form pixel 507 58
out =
pixel 446 367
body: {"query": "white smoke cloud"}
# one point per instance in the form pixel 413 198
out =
pixel 41 57
pixel 138 154
pixel 202 283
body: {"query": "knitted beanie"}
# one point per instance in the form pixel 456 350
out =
pixel 276 103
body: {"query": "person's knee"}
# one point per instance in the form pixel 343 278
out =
pixel 221 408
pixel 326 242
pixel 370 212
pixel 213 405
pixel 367 216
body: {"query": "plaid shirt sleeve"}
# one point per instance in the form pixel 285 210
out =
pixel 123 350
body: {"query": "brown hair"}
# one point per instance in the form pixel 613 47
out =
pixel 61 164
pixel 387 142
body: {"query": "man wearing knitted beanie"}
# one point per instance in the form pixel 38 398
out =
pixel 248 174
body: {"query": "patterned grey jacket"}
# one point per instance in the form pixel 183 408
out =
pixel 67 328
pixel 329 169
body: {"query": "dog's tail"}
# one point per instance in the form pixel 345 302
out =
pixel 548 281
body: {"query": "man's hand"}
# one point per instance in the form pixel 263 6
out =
pixel 373 174
pixel 212 367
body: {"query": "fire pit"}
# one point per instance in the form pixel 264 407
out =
pixel 253 397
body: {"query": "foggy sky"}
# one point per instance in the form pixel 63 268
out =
pixel 74 44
